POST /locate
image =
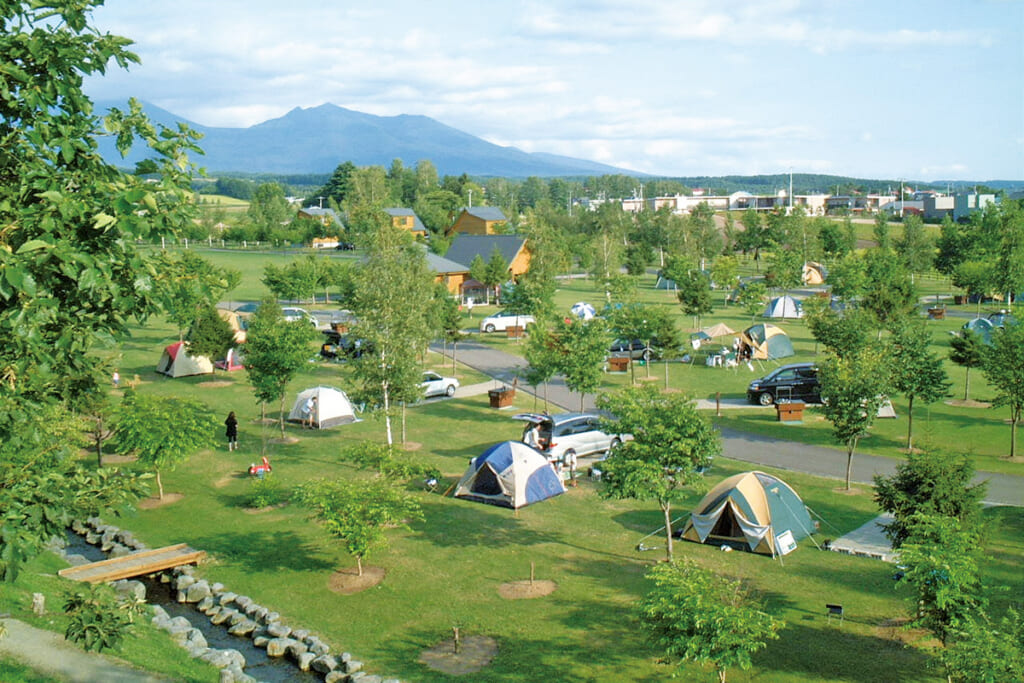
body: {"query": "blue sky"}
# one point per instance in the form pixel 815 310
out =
pixel 922 90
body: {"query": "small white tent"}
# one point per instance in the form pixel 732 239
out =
pixel 176 362
pixel 784 307
pixel 333 407
pixel 510 474
pixel 583 310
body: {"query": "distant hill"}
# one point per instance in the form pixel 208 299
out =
pixel 317 139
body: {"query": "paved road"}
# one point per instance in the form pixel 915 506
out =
pixel 759 450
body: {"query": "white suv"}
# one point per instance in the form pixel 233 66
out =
pixel 293 314
pixel 499 322
pixel 571 432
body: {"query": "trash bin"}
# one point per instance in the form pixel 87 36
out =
pixel 616 364
pixel 790 411
pixel 514 332
pixel 501 398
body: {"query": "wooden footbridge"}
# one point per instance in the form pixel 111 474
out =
pixel 137 564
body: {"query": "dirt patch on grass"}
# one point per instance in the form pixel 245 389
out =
pixel 228 478
pixel 843 491
pixel 267 508
pixel 525 590
pixel 216 384
pixel 896 629
pixel 285 441
pixel 475 652
pixel 968 403
pixel 153 503
pixel 411 446
pixel 115 459
pixel 1015 459
pixel 348 581
pixel 264 421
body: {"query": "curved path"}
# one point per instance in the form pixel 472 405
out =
pixel 1003 489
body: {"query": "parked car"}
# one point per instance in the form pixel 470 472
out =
pixel 501 321
pixel 345 246
pixel 796 382
pixel 632 348
pixel 575 432
pixel 292 314
pixel 337 346
pixel 435 385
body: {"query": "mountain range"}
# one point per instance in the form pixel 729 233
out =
pixel 317 139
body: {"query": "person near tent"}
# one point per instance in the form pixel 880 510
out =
pixel 116 379
pixel 309 413
pixel 261 470
pixel 231 431
pixel 531 435
pixel 570 463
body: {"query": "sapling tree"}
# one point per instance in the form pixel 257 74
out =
pixel 695 615
pixel 916 371
pixel 162 431
pixel 671 447
pixel 966 350
pixel 581 346
pixel 358 512
pixel 1003 366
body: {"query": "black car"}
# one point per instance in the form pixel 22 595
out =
pixel 796 382
pixel 635 349
pixel 337 345
pixel 345 246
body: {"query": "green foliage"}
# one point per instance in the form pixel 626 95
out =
pixel 889 293
pixel 694 615
pixel 966 350
pixel 388 462
pixel 977 278
pixel 986 652
pixel 580 347
pixel 188 283
pixel 941 566
pixel 1003 365
pixel 753 297
pixel 693 290
pixel 264 492
pixel 671 447
pixel 163 432
pixel 1010 264
pixel 915 248
pixel 842 334
pixel 848 278
pixel 210 335
pixel 785 270
pixel 268 211
pixel 853 387
pixel 275 350
pixel 358 511
pixel 930 484
pixel 97 619
pixel 916 372
pixel 651 324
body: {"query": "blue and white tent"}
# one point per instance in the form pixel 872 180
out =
pixel 510 474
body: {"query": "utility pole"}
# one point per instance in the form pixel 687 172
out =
pixel 470 198
pixel 321 202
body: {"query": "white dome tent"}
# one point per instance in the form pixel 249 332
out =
pixel 583 310
pixel 333 407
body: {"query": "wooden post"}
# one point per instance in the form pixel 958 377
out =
pixel 531 573
pixel 457 640
pixel 718 404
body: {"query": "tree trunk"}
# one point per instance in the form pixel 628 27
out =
pixel 281 417
pixel 159 486
pixel 910 425
pixel 1014 418
pixel 359 564
pixel 967 383
pixel 721 676
pixel 403 422
pixel 455 346
pixel 387 414
pixel 851 446
pixel 666 509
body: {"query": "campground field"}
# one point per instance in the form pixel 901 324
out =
pixel 447 571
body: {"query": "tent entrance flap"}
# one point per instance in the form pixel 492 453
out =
pixel 487 482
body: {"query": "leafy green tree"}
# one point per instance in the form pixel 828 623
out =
pixel 703 236
pixel 275 350
pixel 392 301
pixel 1003 366
pixel 496 271
pixel 752 297
pixel 339 185
pixel 357 511
pixel 210 335
pixel 188 283
pixel 387 462
pixel 984 652
pixel 976 278
pixel 650 324
pixel 724 272
pixel 941 561
pixel 693 290
pixel 543 356
pixel 1010 264
pixel 848 278
pixel 917 372
pixel 162 431
pixel 853 388
pixel 785 270
pixel 915 249
pixel 73 276
pixel 448 318
pixel 881 230
pixel 755 237
pixel 672 445
pixel 295 281
pixel 695 615
pixel 581 348
pixel 889 294
pixel 369 188
pixel 966 350
pixel 833 241
pixel 269 211
pixel 930 484
pixel 841 333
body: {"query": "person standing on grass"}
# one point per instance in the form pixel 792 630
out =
pixel 231 425
pixel 116 379
pixel 570 463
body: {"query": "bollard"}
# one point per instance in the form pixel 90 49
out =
pixel 718 404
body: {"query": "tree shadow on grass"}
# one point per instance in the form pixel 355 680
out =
pixel 828 650
pixel 466 524
pixel 265 551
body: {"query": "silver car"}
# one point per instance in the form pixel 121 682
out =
pixel 577 433
pixel 499 322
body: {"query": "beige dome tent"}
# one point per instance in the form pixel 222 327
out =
pixel 814 273
pixel 235 322
pixel 176 362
